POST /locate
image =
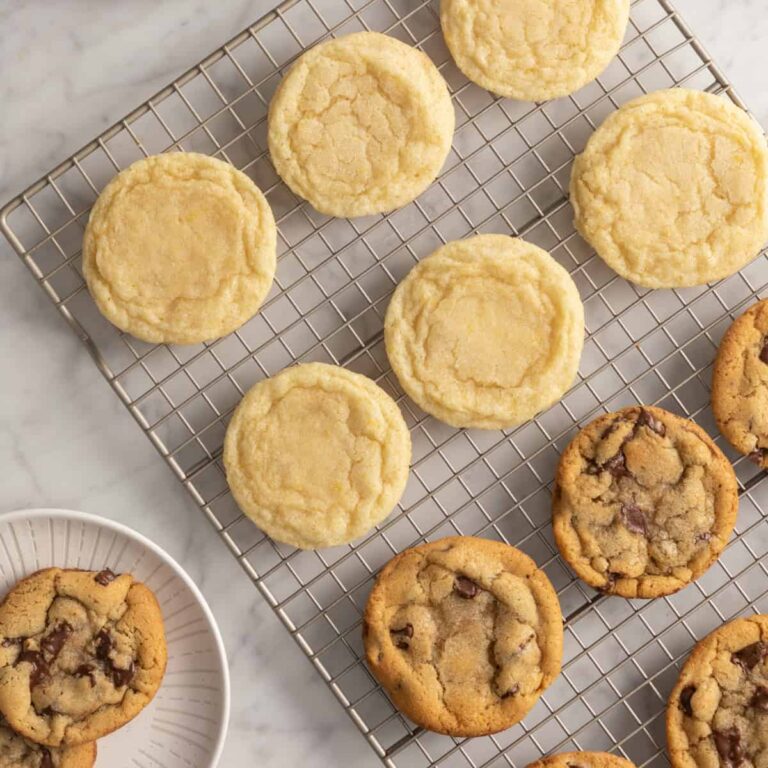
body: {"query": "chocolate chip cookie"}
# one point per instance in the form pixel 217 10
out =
pixel 718 712
pixel 740 384
pixel 81 654
pixel 465 634
pixel 582 760
pixel 644 502
pixel 18 752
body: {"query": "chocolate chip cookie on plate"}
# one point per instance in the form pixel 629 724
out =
pixel 718 712
pixel 18 752
pixel 465 634
pixel 644 502
pixel 81 654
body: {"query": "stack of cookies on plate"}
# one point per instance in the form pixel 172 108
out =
pixel 81 654
pixel 486 332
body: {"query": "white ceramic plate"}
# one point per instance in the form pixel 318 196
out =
pixel 185 725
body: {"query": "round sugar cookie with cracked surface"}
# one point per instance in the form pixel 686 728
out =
pixel 533 50
pixel 18 752
pixel 582 760
pixel 740 384
pixel 179 248
pixel 81 654
pixel 317 455
pixel 486 332
pixel 672 189
pixel 465 634
pixel 717 714
pixel 361 124
pixel 644 502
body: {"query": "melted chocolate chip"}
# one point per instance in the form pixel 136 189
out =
pixel 706 536
pixel 104 577
pixel 749 657
pixel 52 644
pixel 617 466
pixel 403 645
pixel 513 691
pixel 633 518
pixel 611 579
pixel 406 631
pixel 465 587
pixel 9 641
pixel 760 699
pixel 103 645
pixel 121 677
pixel 39 668
pixel 758 456
pixel 86 670
pixel 647 419
pixel 764 352
pixel 685 699
pixel 46 761
pixel 729 747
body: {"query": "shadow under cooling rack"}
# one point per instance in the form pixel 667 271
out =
pixel 507 172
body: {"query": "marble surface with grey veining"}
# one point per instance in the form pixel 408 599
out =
pixel 69 69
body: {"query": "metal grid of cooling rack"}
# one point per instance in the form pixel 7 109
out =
pixel 507 172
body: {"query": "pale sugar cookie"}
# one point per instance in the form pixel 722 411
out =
pixel 360 125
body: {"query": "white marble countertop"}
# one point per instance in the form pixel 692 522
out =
pixel 69 70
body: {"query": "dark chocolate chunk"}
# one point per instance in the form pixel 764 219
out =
pixel 406 631
pixel 103 645
pixel 647 419
pixel 764 351
pixel 46 761
pixel 706 536
pixel 749 657
pixel 757 456
pixel 121 677
pixel 104 577
pixel 685 699
pixel 39 668
pixel 633 518
pixel 52 644
pixel 9 641
pixel 86 670
pixel 403 645
pixel 729 747
pixel 465 587
pixel 513 691
pixel 611 579
pixel 760 699
pixel 617 465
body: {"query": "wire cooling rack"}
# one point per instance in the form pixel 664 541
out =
pixel 508 172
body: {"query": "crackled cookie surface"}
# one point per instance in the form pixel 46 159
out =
pixel 465 634
pixel 740 384
pixel 582 760
pixel 179 248
pixel 18 752
pixel 81 654
pixel 486 332
pixel 533 50
pixel 361 124
pixel 317 455
pixel 672 189
pixel 644 502
pixel 717 715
